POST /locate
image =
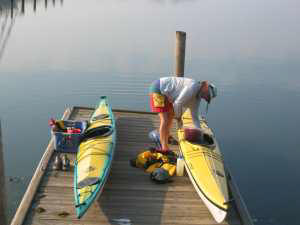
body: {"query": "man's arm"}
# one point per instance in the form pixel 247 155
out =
pixel 194 107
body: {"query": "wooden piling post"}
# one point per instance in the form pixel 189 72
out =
pixel 46 4
pixel 180 53
pixel 2 184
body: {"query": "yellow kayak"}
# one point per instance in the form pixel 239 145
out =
pixel 204 164
pixel 94 157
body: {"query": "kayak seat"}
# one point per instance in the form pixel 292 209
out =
pixel 88 182
pixel 102 131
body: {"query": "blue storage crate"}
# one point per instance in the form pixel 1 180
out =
pixel 68 143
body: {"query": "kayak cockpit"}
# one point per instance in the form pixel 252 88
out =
pixel 199 137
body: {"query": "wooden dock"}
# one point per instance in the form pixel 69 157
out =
pixel 129 197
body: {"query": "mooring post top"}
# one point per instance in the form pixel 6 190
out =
pixel 181 32
pixel 180 53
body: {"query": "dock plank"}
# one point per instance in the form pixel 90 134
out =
pixel 129 195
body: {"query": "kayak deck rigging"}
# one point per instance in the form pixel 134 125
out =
pixel 49 197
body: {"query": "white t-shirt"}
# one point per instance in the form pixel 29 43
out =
pixel 182 92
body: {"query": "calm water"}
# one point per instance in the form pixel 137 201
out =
pixel 55 54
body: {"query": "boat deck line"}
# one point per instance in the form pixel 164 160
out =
pixel 129 196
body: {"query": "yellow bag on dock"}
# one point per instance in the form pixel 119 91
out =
pixel 149 161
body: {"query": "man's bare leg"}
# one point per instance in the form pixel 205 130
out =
pixel 170 122
pixel 163 130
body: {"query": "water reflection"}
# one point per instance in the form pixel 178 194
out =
pixel 9 11
pixel 173 1
pixel 7 24
pixel 2 184
pixel 13 6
